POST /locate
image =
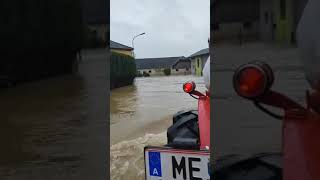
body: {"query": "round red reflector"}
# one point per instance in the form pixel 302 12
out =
pixel 251 82
pixel 189 87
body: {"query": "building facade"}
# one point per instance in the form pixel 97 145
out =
pixel 235 20
pixel 120 48
pixel 181 67
pixel 157 66
pixel 198 60
pixel 266 20
pixel 279 19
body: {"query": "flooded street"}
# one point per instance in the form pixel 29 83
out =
pixel 140 116
pixel 55 128
pixel 238 126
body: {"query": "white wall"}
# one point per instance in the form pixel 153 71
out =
pixel 159 72
pixel 152 72
pixel 193 66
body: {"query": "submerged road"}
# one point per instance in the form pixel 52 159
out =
pixel 55 129
pixel 148 105
pixel 238 126
pixel 140 116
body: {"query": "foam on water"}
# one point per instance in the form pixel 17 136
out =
pixel 127 158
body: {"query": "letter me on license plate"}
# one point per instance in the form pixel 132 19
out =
pixel 166 163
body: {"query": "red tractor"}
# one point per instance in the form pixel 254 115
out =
pixel 187 153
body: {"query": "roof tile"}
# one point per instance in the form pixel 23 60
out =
pixel 115 45
pixel 201 52
pixel 157 63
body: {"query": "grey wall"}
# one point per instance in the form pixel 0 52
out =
pixel 204 59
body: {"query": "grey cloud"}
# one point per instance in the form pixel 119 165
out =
pixel 173 27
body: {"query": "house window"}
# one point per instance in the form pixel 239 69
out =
pixel 149 71
pixel 187 69
pixel 198 63
pixel 177 69
pixel 283 7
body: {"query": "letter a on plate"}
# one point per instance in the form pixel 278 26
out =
pixel 155 164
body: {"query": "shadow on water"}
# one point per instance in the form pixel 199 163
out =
pixel 37 115
pixel 12 137
pixel 53 128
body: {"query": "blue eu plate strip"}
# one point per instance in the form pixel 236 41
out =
pixel 155 164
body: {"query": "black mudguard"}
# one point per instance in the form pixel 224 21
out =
pixel 184 132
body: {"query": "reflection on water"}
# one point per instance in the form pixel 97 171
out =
pixel 36 116
pixel 13 152
pixel 123 102
pixel 140 115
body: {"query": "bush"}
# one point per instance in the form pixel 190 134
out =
pixel 167 72
pixel 123 70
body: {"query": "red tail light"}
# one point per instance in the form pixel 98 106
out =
pixel 189 87
pixel 253 80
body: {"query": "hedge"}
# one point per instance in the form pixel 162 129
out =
pixel 123 70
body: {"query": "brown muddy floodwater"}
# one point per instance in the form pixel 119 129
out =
pixel 55 129
pixel 140 115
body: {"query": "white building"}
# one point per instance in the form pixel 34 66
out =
pixel 156 66
pixel 198 60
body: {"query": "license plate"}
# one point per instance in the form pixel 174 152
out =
pixel 163 163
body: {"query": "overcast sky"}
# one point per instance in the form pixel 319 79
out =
pixel 172 27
